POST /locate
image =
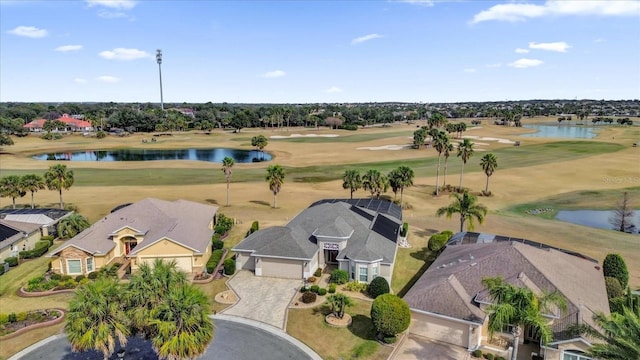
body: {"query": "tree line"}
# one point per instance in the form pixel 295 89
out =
pixel 57 178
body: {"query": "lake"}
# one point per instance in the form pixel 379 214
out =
pixel 555 131
pixel 210 155
pixel 593 218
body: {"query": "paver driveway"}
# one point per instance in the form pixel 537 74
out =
pixel 262 299
pixel 417 348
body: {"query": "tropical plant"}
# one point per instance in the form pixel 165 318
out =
pixel 520 307
pixel 59 178
pixel 614 266
pixel 275 178
pixel 32 183
pixel 618 335
pixel 448 149
pixel 390 315
pixel 10 186
pixel 375 182
pixel 339 302
pixel 72 225
pixel 489 163
pixel 440 143
pixel 465 151
pixel 466 205
pixel 227 164
pixel 401 178
pixel 351 180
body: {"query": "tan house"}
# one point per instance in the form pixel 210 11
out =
pixel 448 300
pixel 141 233
pixel 16 236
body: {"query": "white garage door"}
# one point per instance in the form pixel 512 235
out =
pixel 183 263
pixel 440 329
pixel 282 268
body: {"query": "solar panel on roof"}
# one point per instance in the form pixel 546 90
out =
pixel 377 205
pixel 386 227
pixel 7 232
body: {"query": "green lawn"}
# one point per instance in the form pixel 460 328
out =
pixel 411 262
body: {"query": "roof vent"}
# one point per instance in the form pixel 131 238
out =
pixel 474 264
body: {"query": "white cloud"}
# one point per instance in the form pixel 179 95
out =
pixel 428 3
pixel 80 81
pixel 599 40
pixel 67 48
pixel 525 63
pixel 113 14
pixel 124 54
pixel 469 70
pixel 559 46
pixel 333 90
pixel 113 4
pixel 521 51
pixel 108 79
pixel 274 74
pixel 362 39
pixel 496 65
pixel 521 11
pixel 29 31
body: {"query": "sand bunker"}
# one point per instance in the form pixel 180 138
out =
pixel 386 147
pixel 300 135
pixel 501 141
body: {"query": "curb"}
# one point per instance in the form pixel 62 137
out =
pixel 40 343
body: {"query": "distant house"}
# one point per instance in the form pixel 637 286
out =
pixel 358 236
pixel 73 123
pixel 448 300
pixel 140 233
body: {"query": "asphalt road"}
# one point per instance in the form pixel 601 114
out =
pixel 232 341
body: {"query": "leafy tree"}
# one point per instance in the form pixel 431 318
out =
pixel 58 178
pixel 227 164
pixel 489 163
pixel 615 267
pixel 32 183
pixel 622 219
pixel 440 143
pixel 378 286
pixel 51 125
pixel 520 307
pixel 390 315
pixel 419 136
pixel 5 140
pixel 259 141
pixel 351 180
pixel 72 225
pixel 618 335
pixel 275 178
pixel 465 151
pixel 375 182
pixel 466 205
pixel 339 302
pixel 10 186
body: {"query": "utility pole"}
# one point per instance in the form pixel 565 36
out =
pixel 159 60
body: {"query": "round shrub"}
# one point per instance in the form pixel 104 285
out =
pixel 614 289
pixel 217 244
pixel 80 278
pixel 437 241
pixel 101 134
pixel 308 297
pixel 229 266
pixel 322 291
pixel 12 261
pixel 617 304
pixel 477 353
pixel 315 288
pixel 489 356
pixel 304 289
pixel 55 276
pixel 389 339
pixel 332 288
pixel 318 272
pixel 312 279
pixel 378 286
pixel 614 266
pixel 92 275
pixel 390 315
pixel 339 277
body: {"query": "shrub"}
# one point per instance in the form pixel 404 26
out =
pixel 101 134
pixel 255 226
pixel 351 127
pixel 500 358
pixel 4 319
pixel 447 233
pixel 12 318
pixel 48 238
pixel 223 224
pixel 304 289
pixel 477 353
pixel 217 244
pixel 66 284
pixel 437 241
pixel 378 286
pixel 390 315
pixel 339 276
pixel 216 255
pixel 614 266
pixel 617 304
pixel 229 266
pixel 312 279
pixel 389 339
pixel 318 272
pixel 80 278
pixel 489 356
pixel 21 316
pixel 405 229
pixel 1 268
pixel 332 288
pixel 356 286
pixel 12 261
pixel 55 276
pixel 308 297
pixel 322 291
pixel 315 288
pixel 614 289
pixel 92 275
pixel 65 278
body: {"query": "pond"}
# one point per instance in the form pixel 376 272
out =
pixel 210 155
pixel 593 218
pixel 566 131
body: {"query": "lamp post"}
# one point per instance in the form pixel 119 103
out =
pixel 159 60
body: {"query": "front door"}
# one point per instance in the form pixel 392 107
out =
pixel 330 256
pixel 128 246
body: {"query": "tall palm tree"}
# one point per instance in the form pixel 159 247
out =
pixel 10 186
pixel 489 163
pixel 520 307
pixel 96 319
pixel 440 141
pixel 448 149
pixel 619 334
pixel 466 205
pixel 465 151
pixel 227 164
pixel 72 225
pixel 375 182
pixel 32 183
pixel 404 178
pixel 275 178
pixel 351 180
pixel 58 178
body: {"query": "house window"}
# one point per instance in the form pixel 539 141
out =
pixel 374 271
pixel 364 274
pixel 353 271
pixel 74 267
pixel 570 355
pixel 89 264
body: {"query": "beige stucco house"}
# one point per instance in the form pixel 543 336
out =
pixel 448 301
pixel 16 236
pixel 142 232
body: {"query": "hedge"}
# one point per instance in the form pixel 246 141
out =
pixel 378 286
pixel 40 249
pixel 229 266
pixel 405 229
pixel 216 255
pixel 12 261
pixel 614 266
pixel 255 226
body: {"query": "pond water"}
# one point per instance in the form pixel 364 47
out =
pixel 593 218
pixel 210 155
pixel 566 131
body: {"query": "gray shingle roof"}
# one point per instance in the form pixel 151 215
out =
pixel 184 222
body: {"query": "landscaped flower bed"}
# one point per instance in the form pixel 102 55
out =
pixel 10 323
pixel 52 281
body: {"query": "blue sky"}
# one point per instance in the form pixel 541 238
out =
pixel 319 51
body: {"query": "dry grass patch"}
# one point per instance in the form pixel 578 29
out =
pixel 211 290
pixel 20 342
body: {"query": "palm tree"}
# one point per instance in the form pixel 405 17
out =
pixel 399 179
pixel 440 141
pixel 72 225
pixel 10 186
pixel 489 163
pixel 465 150
pixel 58 178
pixel 375 182
pixel 520 307
pixel 351 180
pixel 227 164
pixel 619 334
pixel 275 178
pixel 96 319
pixel 466 205
pixel 339 302
pixel 448 149
pixel 32 183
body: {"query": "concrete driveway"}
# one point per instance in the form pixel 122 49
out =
pixel 262 299
pixel 415 347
